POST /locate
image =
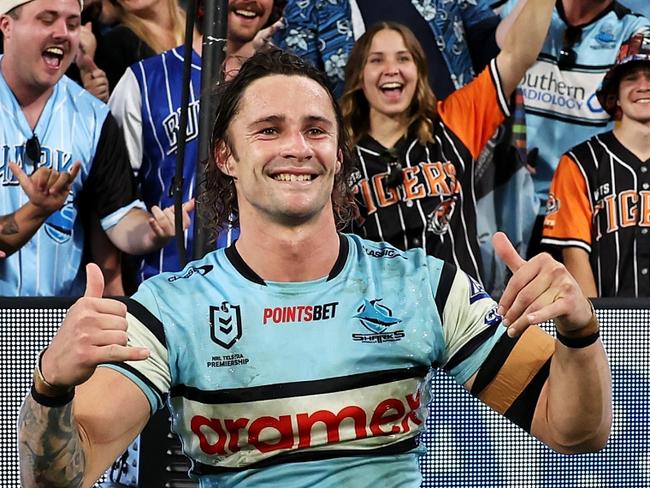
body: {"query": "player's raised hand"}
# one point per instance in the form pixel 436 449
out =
pixel 93 332
pixel 540 289
pixel 46 188
pixel 162 222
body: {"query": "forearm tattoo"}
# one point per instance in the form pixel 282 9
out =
pixel 50 449
pixel 8 225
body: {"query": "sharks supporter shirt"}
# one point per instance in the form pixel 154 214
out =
pixel 433 203
pixel 321 383
pixel 561 105
pixel 74 126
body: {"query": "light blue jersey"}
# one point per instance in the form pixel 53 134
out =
pixel 74 126
pixel 561 105
pixel 321 383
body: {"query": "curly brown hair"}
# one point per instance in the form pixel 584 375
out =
pixel 354 105
pixel 218 205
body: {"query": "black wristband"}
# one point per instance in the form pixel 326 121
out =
pixel 578 342
pixel 52 401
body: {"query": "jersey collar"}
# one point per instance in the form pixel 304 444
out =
pixel 247 272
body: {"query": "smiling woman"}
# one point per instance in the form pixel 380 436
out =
pixel 414 156
pixel 146 28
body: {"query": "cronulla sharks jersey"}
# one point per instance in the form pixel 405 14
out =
pixel 561 105
pixel 74 126
pixel 323 383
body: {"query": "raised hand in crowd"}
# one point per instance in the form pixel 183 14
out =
pixel 47 191
pixel 140 232
pixel 162 222
pixel 93 79
pixel 265 36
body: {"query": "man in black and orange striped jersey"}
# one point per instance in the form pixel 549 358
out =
pixel 599 204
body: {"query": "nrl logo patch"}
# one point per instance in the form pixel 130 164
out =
pixel 225 324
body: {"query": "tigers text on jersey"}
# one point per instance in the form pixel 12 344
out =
pixel 433 204
pixel 561 104
pixel 74 126
pixel 322 383
pixel 600 202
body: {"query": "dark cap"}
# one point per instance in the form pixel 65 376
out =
pixel 635 50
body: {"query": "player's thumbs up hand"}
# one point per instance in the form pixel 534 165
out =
pixel 94 331
pixel 540 289
pixel 94 281
pixel 507 252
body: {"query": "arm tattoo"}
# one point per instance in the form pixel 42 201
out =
pixel 8 225
pixel 50 448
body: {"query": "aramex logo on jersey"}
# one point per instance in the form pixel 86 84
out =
pixel 241 433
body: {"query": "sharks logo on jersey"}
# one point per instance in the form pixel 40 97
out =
pixel 377 318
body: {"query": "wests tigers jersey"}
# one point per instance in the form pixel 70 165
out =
pixel 600 202
pixel 433 204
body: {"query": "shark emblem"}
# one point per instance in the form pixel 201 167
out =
pixel 375 317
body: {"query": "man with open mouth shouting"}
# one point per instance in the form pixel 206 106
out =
pixel 63 156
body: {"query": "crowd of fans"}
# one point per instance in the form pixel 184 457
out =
pixel 438 157
pixel 454 129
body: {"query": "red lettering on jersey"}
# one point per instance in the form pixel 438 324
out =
pixel 367 196
pixel 629 213
pixel 215 425
pixel 299 313
pixel 385 196
pixel 645 208
pixel 612 221
pixel 387 412
pixel 266 434
pixel 412 188
pixel 332 424
pixel 233 427
pixel 309 313
pixel 436 179
pixel 414 405
pixel 290 315
pixel 268 313
pixel 282 425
